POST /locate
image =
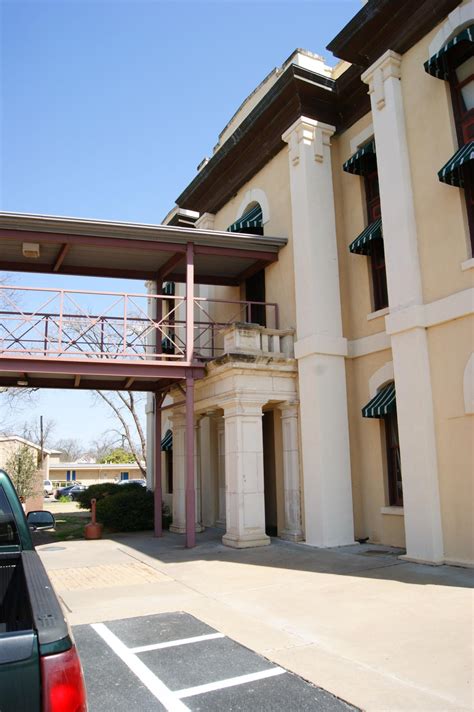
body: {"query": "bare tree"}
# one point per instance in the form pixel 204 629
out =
pixel 13 399
pixel 125 406
pixel 71 448
pixel 31 430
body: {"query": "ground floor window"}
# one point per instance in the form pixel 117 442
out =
pixel 384 407
pixel 169 470
pixel 394 470
pixel 124 476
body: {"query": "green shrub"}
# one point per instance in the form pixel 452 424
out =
pixel 97 492
pixel 131 509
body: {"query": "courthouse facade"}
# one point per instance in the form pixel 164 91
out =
pixel 346 411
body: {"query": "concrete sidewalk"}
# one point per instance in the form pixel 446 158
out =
pixel 377 632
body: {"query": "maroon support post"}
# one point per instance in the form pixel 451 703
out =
pixel 190 499
pixel 190 491
pixel 157 463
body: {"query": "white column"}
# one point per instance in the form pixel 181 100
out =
pixel 291 472
pixel 198 473
pixel 150 398
pixel 221 473
pixel 423 529
pixel 320 348
pixel 245 506
pixel 178 524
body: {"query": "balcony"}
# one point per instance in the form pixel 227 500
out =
pixel 128 338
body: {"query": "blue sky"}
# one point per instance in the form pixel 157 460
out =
pixel 108 106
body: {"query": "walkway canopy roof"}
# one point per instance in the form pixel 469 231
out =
pixel 102 248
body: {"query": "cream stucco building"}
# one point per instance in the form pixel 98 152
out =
pixel 350 415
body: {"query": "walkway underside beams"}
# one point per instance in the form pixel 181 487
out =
pixel 41 373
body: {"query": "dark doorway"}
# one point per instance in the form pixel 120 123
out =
pixel 255 292
pixel 269 474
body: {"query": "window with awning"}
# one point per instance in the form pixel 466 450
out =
pixel 451 54
pixel 453 172
pixel 382 404
pixel 251 220
pixel 454 63
pixel 169 288
pixel 363 243
pixel 363 161
pixel 167 441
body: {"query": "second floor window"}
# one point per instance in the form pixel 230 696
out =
pixel 377 253
pixel 454 63
pixel 370 241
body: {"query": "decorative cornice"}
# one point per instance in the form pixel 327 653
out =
pixel 307 132
pixel 388 24
pixel 388 66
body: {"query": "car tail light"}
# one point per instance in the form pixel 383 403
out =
pixel 63 688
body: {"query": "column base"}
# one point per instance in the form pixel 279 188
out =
pixel 246 541
pixel 292 536
pixel 220 524
pixel 415 560
pixel 179 529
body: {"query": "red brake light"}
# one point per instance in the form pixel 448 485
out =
pixel 63 688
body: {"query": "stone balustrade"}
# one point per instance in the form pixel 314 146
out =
pixel 255 340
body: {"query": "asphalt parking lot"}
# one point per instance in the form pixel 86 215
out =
pixel 173 661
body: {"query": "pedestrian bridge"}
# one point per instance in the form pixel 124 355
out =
pixel 57 338
pixel 64 338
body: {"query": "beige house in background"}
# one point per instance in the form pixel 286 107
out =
pixel 91 473
pixel 9 444
pixel 353 416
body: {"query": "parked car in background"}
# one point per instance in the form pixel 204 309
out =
pixel 47 488
pixel 75 491
pixel 66 491
pixel 141 483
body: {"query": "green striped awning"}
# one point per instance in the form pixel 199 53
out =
pixel 363 161
pixel 440 63
pixel 452 173
pixel 381 404
pixel 168 288
pixel 167 441
pixel 361 245
pixel 251 219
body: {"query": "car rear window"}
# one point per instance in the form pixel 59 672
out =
pixel 8 529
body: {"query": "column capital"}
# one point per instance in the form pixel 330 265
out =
pixel 288 409
pixel 178 418
pixel 388 66
pixel 205 221
pixel 307 132
pixel 238 406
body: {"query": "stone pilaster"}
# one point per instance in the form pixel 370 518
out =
pixel 205 222
pixel 320 348
pixel 245 505
pixel 221 513
pixel 178 524
pixel 423 530
pixel 291 472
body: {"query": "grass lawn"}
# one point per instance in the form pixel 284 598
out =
pixel 70 525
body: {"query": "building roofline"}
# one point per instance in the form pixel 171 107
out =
pixel 18 438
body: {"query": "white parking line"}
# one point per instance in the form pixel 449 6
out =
pixel 230 682
pixel 157 688
pixel 179 641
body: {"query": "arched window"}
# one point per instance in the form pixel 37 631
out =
pixel 251 222
pixel 384 406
